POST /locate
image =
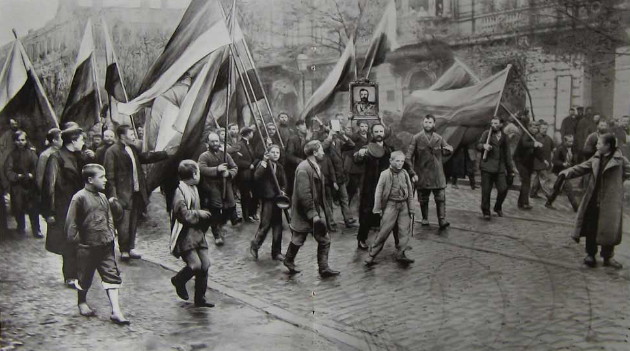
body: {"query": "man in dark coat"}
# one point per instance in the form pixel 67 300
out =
pixel 601 211
pixel 295 151
pixel 495 166
pixel 569 124
pixel 589 148
pixel 126 182
pixel 20 167
pixel 310 212
pixel 563 158
pixel 55 143
pixel 218 171
pixel 424 159
pixel 109 139
pixel 541 178
pixel 585 127
pixel 335 145
pixel 284 130
pixel 61 181
pixel 375 159
pixel 246 158
pixel 354 170
pixel 527 150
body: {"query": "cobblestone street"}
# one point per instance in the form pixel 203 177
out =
pixel 515 283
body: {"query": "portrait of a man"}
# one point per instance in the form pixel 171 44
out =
pixel 364 100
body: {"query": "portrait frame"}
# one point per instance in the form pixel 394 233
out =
pixel 360 111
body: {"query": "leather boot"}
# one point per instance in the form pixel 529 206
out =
pixel 179 282
pixel 424 209
pixel 322 261
pixel 201 285
pixel 441 212
pixel 289 258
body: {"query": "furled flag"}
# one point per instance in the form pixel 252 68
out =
pixel 113 79
pixel 456 110
pixel 83 102
pixel 201 31
pixel 338 79
pixel 383 41
pixel 22 97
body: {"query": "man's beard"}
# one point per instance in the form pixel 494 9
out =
pixel 215 148
pixel 496 129
pixel 364 100
pixel 377 138
pixel 282 123
pixel 602 131
pixel 108 142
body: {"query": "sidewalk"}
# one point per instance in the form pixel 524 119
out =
pixel 38 312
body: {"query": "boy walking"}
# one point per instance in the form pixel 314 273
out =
pixel 268 190
pixel 188 234
pixel 90 226
pixel 392 201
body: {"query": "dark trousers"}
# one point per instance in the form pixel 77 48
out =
pixel 33 215
pixel 590 221
pixel 567 189
pixel 249 202
pixel 367 220
pixel 354 182
pixel 526 180
pixel 129 224
pixel 3 213
pixel 220 216
pixel 101 259
pixel 488 180
pixel 69 263
pixel 270 218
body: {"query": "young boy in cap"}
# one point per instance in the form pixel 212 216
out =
pixel 90 226
pixel 392 201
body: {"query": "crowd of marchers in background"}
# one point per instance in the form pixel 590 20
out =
pixel 91 188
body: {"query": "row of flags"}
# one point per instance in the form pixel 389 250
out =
pixel 185 91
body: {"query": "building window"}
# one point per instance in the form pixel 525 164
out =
pixel 391 95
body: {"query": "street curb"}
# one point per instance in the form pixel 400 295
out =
pixel 327 328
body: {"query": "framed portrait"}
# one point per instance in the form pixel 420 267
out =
pixel 364 100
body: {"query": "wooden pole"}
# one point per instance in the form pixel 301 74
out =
pixel 519 123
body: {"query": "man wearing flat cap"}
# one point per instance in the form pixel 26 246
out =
pixel 310 212
pixel 246 160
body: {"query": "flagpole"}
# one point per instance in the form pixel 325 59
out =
pixel 496 110
pixel 519 122
pixel 249 102
pixel 109 96
pixel 29 65
pixel 119 70
pixel 227 106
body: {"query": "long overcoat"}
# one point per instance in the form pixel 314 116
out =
pixel 424 157
pixel 610 195
pixel 24 194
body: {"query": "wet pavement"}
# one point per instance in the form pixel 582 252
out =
pixel 514 283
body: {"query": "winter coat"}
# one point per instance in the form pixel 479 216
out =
pixel 245 157
pixel 424 157
pixel 545 152
pixel 610 195
pixel 335 149
pixel 61 181
pixel 369 179
pixel 19 164
pixel 309 198
pixel 266 187
pixel 211 184
pixel 349 164
pixel 499 159
pixel 119 172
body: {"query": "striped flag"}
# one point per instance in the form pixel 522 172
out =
pixel 22 97
pixel 201 31
pixel 383 41
pixel 83 105
pixel 338 79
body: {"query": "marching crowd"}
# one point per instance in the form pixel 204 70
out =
pixel 91 194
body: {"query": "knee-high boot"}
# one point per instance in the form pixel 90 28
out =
pixel 201 285
pixel 289 258
pixel 179 282
pixel 322 261
pixel 441 212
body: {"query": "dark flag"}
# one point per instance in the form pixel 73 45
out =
pixel 23 98
pixel 383 41
pixel 82 104
pixel 338 79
